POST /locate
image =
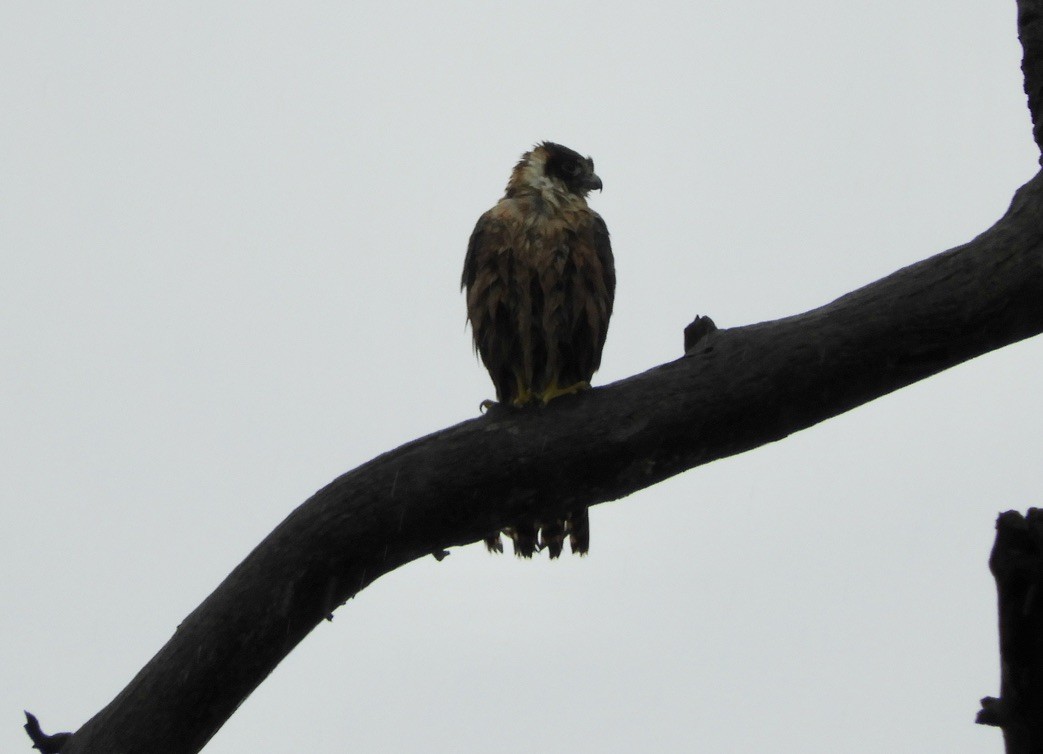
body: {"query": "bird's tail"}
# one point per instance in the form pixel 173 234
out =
pixel 493 543
pixel 524 536
pixel 552 536
pixel 531 536
pixel 578 526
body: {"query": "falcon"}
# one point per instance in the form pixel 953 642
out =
pixel 540 281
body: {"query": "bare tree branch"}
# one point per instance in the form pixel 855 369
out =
pixel 740 388
pixel 735 390
pixel 45 743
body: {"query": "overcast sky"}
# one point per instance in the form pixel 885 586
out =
pixel 231 239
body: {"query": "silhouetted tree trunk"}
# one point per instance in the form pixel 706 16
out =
pixel 733 390
pixel 1017 564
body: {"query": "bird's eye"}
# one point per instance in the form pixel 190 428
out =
pixel 572 169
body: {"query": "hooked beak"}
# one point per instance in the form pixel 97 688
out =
pixel 592 183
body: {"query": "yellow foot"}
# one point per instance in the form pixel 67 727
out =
pixel 554 391
pixel 523 395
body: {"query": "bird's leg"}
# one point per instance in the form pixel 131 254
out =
pixel 523 394
pixel 553 391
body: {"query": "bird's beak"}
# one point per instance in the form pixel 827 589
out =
pixel 592 183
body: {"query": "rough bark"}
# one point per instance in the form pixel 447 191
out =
pixel 1016 561
pixel 1030 33
pixel 735 389
pixel 1017 564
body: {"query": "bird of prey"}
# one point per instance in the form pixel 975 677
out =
pixel 540 281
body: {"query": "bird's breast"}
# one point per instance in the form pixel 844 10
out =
pixel 537 232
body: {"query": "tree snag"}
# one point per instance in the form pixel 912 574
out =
pixel 1016 563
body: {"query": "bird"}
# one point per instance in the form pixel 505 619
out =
pixel 540 281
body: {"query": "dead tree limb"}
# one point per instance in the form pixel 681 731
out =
pixel 46 744
pixel 1017 565
pixel 736 389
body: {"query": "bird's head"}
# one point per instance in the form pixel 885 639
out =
pixel 550 167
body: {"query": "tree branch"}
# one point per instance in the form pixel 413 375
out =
pixel 739 388
pixel 736 389
pixel 46 744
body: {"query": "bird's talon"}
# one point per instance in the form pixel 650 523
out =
pixel 556 392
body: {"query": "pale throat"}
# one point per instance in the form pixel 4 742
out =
pixel 533 178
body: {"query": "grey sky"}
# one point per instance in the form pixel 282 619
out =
pixel 231 237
